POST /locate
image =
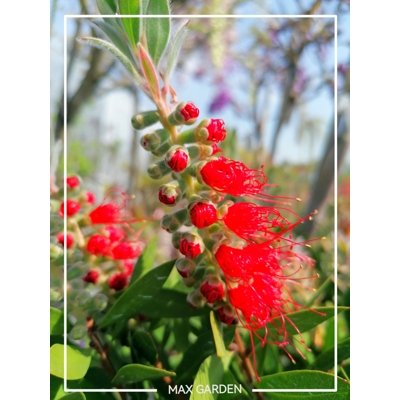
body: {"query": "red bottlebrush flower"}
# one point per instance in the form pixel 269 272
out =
pixel 73 208
pixel 92 276
pixel 114 233
pixel 190 112
pixel 113 210
pixel 98 245
pixel 227 315
pixel 215 149
pixel 202 214
pixel 191 245
pixel 212 289
pixel 90 197
pixel 72 182
pixel 216 130
pixel 128 266
pixel 118 281
pixel 70 239
pixel 125 250
pixel 177 159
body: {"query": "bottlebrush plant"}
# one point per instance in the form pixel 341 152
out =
pixel 222 314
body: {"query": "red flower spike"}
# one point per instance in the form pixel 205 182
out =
pixel 128 266
pixel 73 208
pixel 70 239
pixel 177 159
pixel 98 245
pixel 114 233
pixel 125 250
pixel 191 245
pixel 72 182
pixel 212 289
pixel 202 214
pixel 92 276
pixel 227 315
pixel 190 112
pixel 118 281
pixel 216 130
pixel 215 149
pixel 90 197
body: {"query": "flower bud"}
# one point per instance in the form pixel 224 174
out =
pixel 69 237
pixel 169 194
pixel 114 233
pixel 200 151
pixel 212 288
pixel 145 119
pixel 211 130
pixel 92 276
pixel 185 267
pixel 151 141
pixel 177 158
pixel 160 151
pixel 73 208
pixel 89 197
pixel 196 299
pixel 176 238
pixel 55 251
pixel 118 281
pixel 172 222
pixel 202 213
pixel 158 170
pixel 227 315
pixel 98 245
pixel 72 182
pixel 191 245
pixel 185 113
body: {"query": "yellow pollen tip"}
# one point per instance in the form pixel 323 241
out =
pixel 133 196
pixel 323 238
pixel 314 290
pixel 317 275
pixel 315 212
pixel 307 245
pixel 310 218
pixel 298 198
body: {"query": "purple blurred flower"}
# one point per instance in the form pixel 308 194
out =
pixel 221 100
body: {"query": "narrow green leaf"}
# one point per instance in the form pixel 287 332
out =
pixel 211 372
pixel 136 373
pixel 157 29
pixel 146 260
pixel 111 30
pixel 77 362
pixel 138 296
pixel 106 7
pixel 74 396
pixel 304 320
pixel 144 345
pixel 216 328
pixel 233 389
pixel 304 380
pixel 56 321
pixel 150 73
pixel 131 25
pixel 174 49
pixel 104 45
pixel 326 360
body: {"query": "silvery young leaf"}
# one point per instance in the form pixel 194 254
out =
pixel 132 373
pixel 106 7
pixel 131 25
pixel 104 45
pixel 150 72
pixel 304 380
pixel 157 29
pixel 174 49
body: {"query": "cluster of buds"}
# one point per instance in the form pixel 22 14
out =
pixel 103 233
pixel 236 255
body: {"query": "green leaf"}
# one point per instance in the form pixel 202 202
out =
pixel 104 45
pixel 77 362
pixel 326 360
pixel 115 35
pixel 56 321
pixel 136 373
pixel 139 296
pixel 146 260
pixel 157 29
pixel 144 345
pixel 216 328
pixel 174 49
pixel 211 372
pixel 106 7
pixel 74 396
pixel 131 25
pixel 150 73
pixel 304 320
pixel 304 380
pixel 239 392
pixel 171 304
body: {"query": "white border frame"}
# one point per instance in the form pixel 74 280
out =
pixel 335 189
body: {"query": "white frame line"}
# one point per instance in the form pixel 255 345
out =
pixel 335 187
